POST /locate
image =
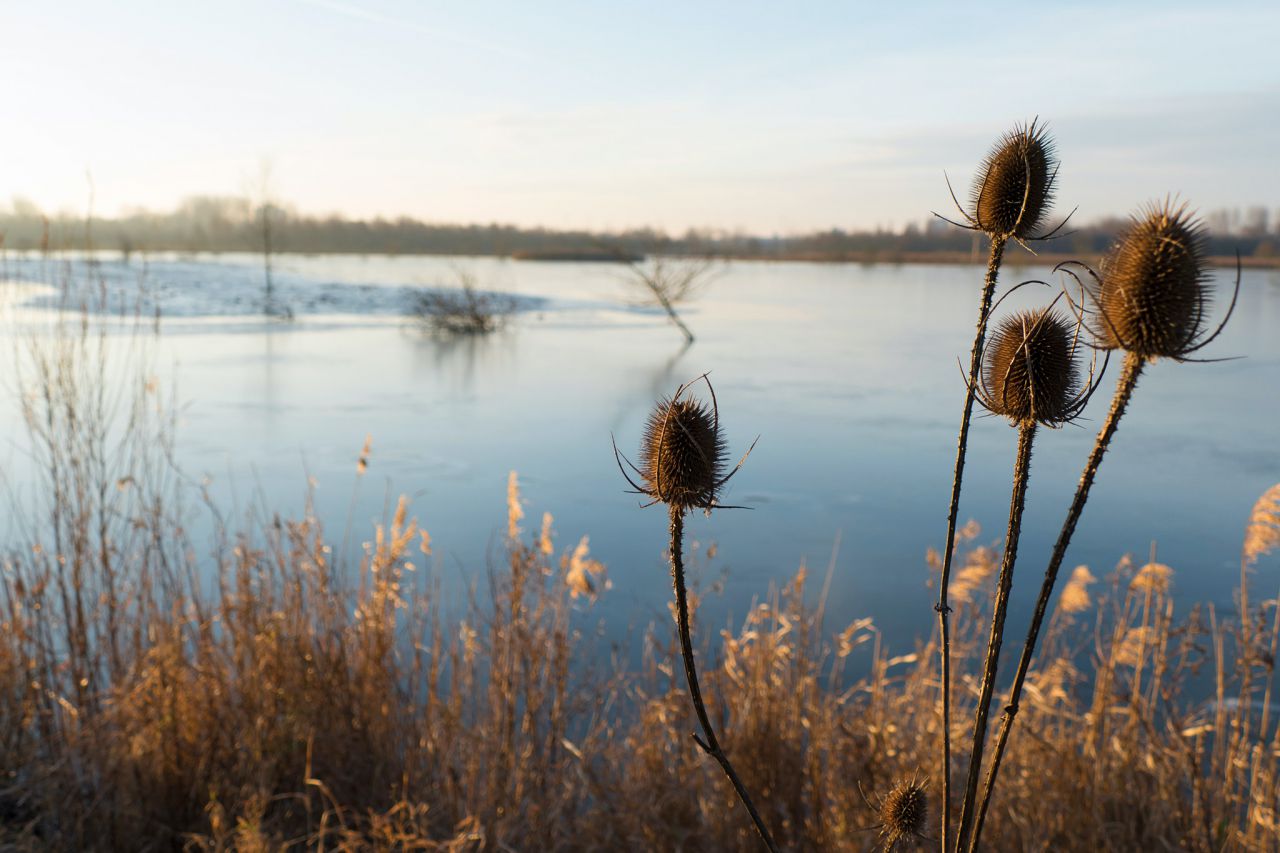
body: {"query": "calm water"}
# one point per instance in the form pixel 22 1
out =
pixel 848 373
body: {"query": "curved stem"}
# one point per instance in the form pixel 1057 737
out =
pixel 1124 390
pixel 711 746
pixel 943 607
pixel 1017 500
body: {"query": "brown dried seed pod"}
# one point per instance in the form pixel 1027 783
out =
pixel 1153 295
pixel 903 813
pixel 682 457
pixel 1030 373
pixel 1014 188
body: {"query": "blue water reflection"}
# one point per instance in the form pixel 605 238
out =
pixel 848 373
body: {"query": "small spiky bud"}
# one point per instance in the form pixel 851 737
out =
pixel 1153 293
pixel 903 812
pixel 1029 371
pixel 682 456
pixel 1014 188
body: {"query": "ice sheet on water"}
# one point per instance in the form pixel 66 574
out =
pixel 208 288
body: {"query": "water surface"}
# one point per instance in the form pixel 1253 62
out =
pixel 847 373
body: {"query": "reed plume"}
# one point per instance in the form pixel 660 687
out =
pixel 1150 297
pixel 1009 200
pixel 682 462
pixel 1030 376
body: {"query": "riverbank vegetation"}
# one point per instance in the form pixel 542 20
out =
pixel 258 692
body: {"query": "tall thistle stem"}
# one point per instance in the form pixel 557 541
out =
pixel 711 746
pixel 1017 500
pixel 1133 364
pixel 943 607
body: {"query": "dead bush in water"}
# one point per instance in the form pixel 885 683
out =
pixel 464 310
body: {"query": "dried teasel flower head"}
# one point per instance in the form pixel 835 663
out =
pixel 1031 372
pixel 1014 189
pixel 903 813
pixel 682 453
pixel 1152 292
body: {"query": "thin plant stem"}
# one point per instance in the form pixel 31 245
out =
pixel 1129 373
pixel 711 746
pixel 1017 501
pixel 943 607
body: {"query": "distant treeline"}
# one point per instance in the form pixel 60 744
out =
pixel 221 224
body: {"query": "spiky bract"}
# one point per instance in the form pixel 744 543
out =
pixel 682 455
pixel 903 812
pixel 1014 189
pixel 1030 373
pixel 1152 294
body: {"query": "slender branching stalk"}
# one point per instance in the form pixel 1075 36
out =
pixel 682 461
pixel 1129 373
pixel 1010 200
pixel 1030 376
pixel 1017 500
pixel 943 607
pixel 710 745
pixel 1151 301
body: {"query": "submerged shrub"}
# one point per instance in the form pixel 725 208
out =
pixel 463 311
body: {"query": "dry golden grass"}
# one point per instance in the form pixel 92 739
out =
pixel 1263 533
pixel 262 697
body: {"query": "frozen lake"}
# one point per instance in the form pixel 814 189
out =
pixel 847 373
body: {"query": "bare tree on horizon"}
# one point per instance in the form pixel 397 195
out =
pixel 263 205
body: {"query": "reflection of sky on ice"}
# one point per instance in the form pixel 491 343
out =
pixel 848 374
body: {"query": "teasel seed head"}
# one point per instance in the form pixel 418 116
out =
pixel 1152 291
pixel 1030 369
pixel 682 453
pixel 903 812
pixel 1014 189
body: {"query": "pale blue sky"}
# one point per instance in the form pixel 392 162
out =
pixel 772 117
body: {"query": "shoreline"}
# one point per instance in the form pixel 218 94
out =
pixel 1019 257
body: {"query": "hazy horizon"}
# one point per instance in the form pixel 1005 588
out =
pixel 763 119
